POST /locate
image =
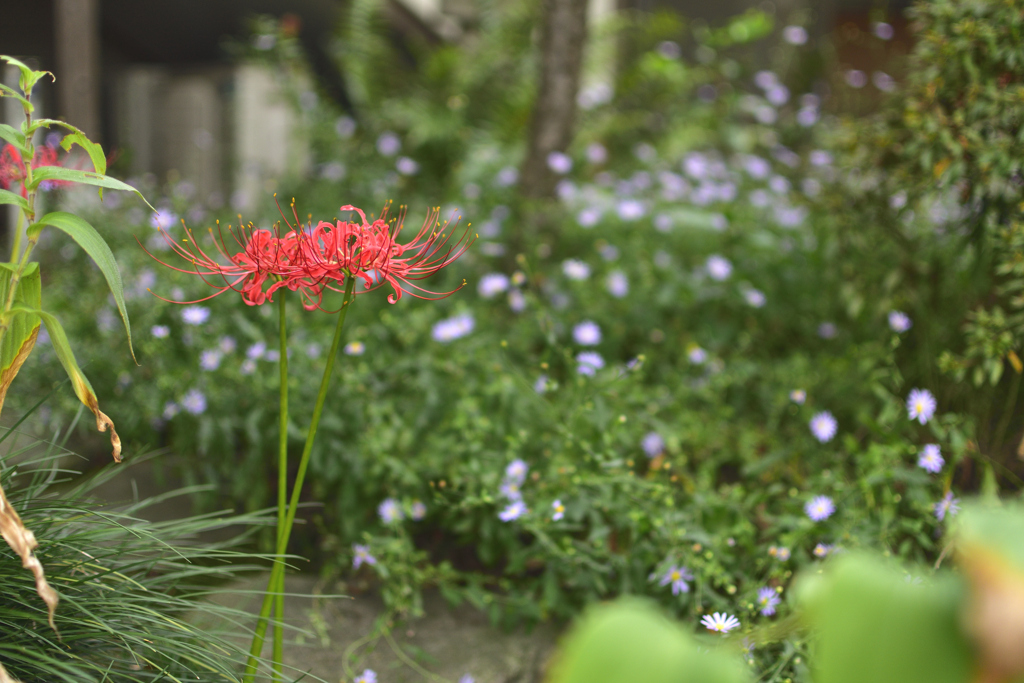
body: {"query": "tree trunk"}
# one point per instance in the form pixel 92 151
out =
pixel 551 130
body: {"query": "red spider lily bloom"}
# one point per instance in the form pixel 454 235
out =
pixel 372 253
pixel 264 256
pixel 309 261
pixel 12 168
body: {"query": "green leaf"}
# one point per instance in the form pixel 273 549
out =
pixel 95 151
pixel 86 177
pixel 871 624
pixel 7 91
pixel 80 383
pixel 29 76
pixel 97 249
pixel 631 640
pixel 8 197
pixel 17 342
pixel 13 136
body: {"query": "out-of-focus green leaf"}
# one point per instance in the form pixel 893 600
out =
pixel 631 640
pixel 86 177
pixel 8 197
pixel 13 136
pixel 871 623
pixel 96 247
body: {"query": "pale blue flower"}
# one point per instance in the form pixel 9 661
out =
pixel 517 470
pixel 587 333
pixel 390 511
pixel 388 144
pixel 589 362
pixel 575 269
pixel 368 676
pixel 677 576
pixel 823 426
pixel 362 556
pixel 767 600
pixel 194 402
pixel 195 315
pixel 559 511
pixel 417 510
pixel 453 328
pixel 819 508
pixel 921 405
pixel 355 348
pixel 160 331
pixel 947 506
pixel 899 321
pixel 210 359
pixel 798 396
pixel 492 285
pixel 514 510
pixel 931 458
pixel 653 444
pixel 617 284
pixel 559 162
pixel 719 268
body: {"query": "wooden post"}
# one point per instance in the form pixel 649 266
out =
pixel 554 114
pixel 77 41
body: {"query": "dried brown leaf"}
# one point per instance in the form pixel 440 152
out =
pixel 23 541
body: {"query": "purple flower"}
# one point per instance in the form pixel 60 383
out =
pixel 754 297
pixel 541 385
pixel 617 284
pixel 931 458
pixel 798 396
pixel 596 153
pixel 718 267
pixel 194 402
pixel 210 359
pixel 883 30
pixel 559 162
pixel 163 219
pixel 827 330
pixel 767 599
pixel 160 331
pixel 362 556
pixel 587 333
pixel 516 471
pixel 256 351
pixel 781 553
pixel 589 363
pixel 823 426
pixel 948 505
pixel 514 510
pixel 492 285
pixel 575 269
pixel 355 348
pixel 588 217
pixel 921 405
pixel 227 344
pixel 653 444
pixel 417 510
pixel 822 550
pixel 819 508
pixel 453 328
pixel 407 166
pixel 696 354
pixel 195 315
pixel 631 209
pixel 511 490
pixel 516 301
pixel 388 144
pixel 559 511
pixel 507 177
pixel 899 321
pixel 390 511
pixel 794 35
pixel 677 576
pixel 368 676
pixel 720 622
pixel 855 78
pixel 248 366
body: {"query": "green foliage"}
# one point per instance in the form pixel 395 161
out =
pixel 631 640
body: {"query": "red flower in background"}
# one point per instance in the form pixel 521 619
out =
pixel 322 257
pixel 12 167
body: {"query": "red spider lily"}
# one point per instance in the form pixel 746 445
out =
pixel 12 167
pixel 309 261
pixel 264 256
pixel 371 252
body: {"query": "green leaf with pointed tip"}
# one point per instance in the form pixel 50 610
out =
pixel 29 76
pixel 76 136
pixel 71 175
pixel 20 336
pixel 7 91
pixel 95 246
pixel 13 136
pixel 871 624
pixel 631 640
pixel 80 383
pixel 8 197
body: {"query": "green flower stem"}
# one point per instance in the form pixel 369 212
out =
pixel 277 573
pixel 282 487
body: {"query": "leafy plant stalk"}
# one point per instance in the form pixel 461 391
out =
pixel 282 483
pixel 275 585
